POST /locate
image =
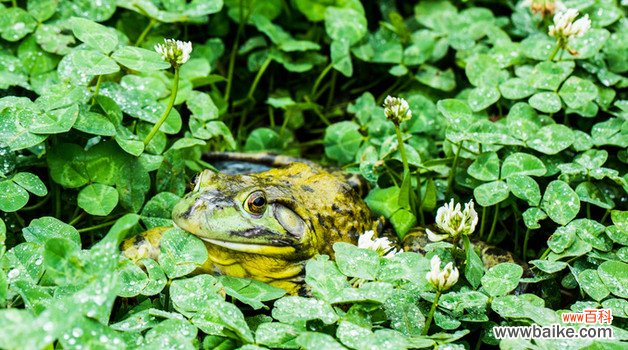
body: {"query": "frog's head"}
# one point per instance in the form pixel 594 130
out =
pixel 292 213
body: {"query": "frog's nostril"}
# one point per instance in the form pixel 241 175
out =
pixel 196 184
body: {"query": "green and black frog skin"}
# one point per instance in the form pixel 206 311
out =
pixel 267 225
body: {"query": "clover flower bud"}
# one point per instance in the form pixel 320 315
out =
pixel 397 109
pixel 454 221
pixel 174 51
pixel 564 26
pixel 543 7
pixel 380 245
pixel 442 279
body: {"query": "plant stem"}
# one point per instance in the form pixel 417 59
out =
pixel 430 316
pixel 234 51
pixel 402 151
pixel 144 33
pixel 559 45
pixel 271 117
pixel 483 222
pixel 284 125
pixel 388 91
pixel 96 89
pixel 311 143
pixel 332 89
pixel 258 77
pixel 524 254
pixel 515 212
pixel 454 164
pixel 241 123
pixel 38 204
pixel 494 224
pixel 19 219
pixel 96 227
pixel 545 253
pixel 419 198
pixel 608 211
pixel 162 119
pixel 76 219
pixel 57 195
pixel 319 80
pixel 478 345
pixel 316 110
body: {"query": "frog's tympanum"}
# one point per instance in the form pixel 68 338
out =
pixel 267 225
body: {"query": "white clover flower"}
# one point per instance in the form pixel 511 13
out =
pixel 380 245
pixel 442 279
pixel 397 109
pixel 176 52
pixel 564 26
pixel 454 221
pixel 580 26
pixel 559 6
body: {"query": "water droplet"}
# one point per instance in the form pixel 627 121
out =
pixel 48 326
pixel 13 274
pixel 77 332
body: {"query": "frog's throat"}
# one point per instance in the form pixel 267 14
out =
pixel 263 249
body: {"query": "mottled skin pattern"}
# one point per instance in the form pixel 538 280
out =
pixel 416 240
pixel 308 209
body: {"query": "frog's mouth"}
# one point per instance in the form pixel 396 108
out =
pixel 255 248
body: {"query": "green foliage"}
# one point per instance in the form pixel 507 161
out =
pixel 538 144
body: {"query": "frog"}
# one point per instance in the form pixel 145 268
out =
pixel 266 225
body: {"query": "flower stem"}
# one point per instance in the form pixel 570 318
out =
pixel 402 151
pixel 454 164
pixel 144 33
pixel 559 45
pixel 430 316
pixel 162 119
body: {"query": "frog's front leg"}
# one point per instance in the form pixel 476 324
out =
pixel 148 245
pixel 144 245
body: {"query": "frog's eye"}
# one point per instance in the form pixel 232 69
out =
pixel 255 203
